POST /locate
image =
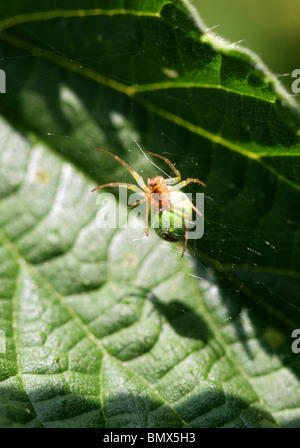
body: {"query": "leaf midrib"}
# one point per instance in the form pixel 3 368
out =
pixel 58 13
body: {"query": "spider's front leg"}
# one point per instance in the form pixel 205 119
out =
pixel 132 171
pixel 185 182
pixel 171 165
pixel 120 184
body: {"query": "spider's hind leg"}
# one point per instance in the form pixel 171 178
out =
pixel 178 212
pixel 186 233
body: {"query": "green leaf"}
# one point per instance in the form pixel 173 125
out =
pixel 108 328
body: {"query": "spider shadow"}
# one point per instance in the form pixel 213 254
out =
pixel 184 321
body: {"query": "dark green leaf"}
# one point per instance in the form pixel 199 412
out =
pixel 108 328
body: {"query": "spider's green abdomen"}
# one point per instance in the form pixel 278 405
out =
pixel 165 226
pixel 170 224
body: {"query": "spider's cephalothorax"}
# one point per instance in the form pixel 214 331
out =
pixel 159 194
pixel 172 208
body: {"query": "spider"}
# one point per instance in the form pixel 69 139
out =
pixel 163 196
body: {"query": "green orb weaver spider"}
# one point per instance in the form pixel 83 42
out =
pixel 164 197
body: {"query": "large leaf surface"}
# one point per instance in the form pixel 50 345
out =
pixel 108 328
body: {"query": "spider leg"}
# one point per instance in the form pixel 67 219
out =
pixel 121 184
pixel 178 212
pixel 132 171
pixel 192 205
pixel 138 202
pixel 185 182
pixel 186 232
pixel 175 170
pixel 172 180
pixel 147 219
